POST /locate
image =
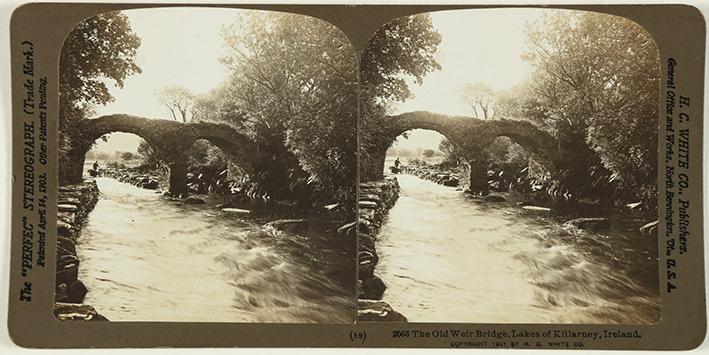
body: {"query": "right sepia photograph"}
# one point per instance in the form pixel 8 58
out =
pixel 508 169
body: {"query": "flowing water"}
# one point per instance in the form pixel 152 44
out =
pixel 145 257
pixel 447 258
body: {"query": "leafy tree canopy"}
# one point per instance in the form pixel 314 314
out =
pixel 596 81
pixel 97 52
pixel 404 47
pixel 295 78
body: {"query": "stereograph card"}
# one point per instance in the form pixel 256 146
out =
pixel 465 176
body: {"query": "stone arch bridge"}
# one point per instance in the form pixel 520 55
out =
pixel 171 139
pixel 471 136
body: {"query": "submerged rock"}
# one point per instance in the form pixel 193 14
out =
pixel 494 198
pixel 377 311
pixel 633 205
pixel 194 201
pixel 331 207
pixel 286 203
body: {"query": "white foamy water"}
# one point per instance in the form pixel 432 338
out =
pixel 445 258
pixel 147 258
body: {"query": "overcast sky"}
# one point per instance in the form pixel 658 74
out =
pixel 179 46
pixel 477 46
pixel 182 45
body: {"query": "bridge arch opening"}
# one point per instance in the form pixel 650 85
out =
pixel 511 166
pixel 126 157
pixel 212 168
pixel 415 147
pixel 116 150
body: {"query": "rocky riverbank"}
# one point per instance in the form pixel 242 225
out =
pixel 375 200
pixel 149 181
pixel 74 204
pixel 443 177
pixel 529 202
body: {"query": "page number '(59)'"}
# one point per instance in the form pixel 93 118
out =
pixel 358 336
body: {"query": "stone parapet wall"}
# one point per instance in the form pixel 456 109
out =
pixel 376 198
pixel 73 206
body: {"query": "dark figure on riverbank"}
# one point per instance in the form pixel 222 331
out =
pixel 395 169
pixel 94 172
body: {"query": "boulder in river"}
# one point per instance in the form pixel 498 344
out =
pixel 536 208
pixel 634 205
pixel 377 311
pixel 451 181
pixel 236 210
pixel 151 184
pixel 372 288
pixel 589 224
pixel 289 225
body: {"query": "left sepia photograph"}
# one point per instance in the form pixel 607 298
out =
pixel 207 168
